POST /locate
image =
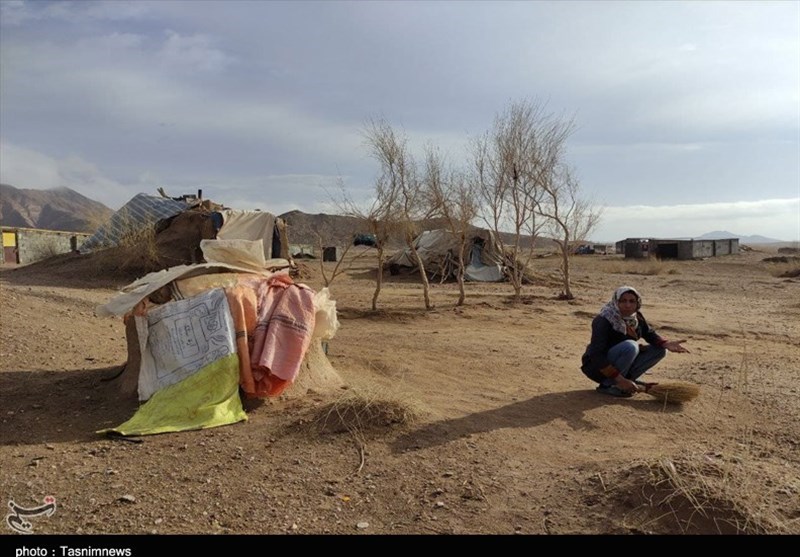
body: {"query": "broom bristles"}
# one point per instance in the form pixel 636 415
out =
pixel 676 392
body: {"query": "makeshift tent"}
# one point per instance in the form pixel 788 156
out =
pixel 142 210
pixel 198 335
pixel 438 250
pixel 179 227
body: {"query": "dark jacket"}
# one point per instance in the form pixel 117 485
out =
pixel 595 363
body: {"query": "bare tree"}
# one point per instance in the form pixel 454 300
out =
pixel 454 198
pixel 379 217
pixel 569 218
pixel 339 268
pixel 399 174
pixel 511 165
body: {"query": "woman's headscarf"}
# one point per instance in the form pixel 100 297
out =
pixel 611 311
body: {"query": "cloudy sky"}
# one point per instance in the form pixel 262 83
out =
pixel 687 114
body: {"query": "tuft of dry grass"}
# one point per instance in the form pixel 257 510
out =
pixel 705 493
pixel 363 410
pixel 138 242
pixel 674 392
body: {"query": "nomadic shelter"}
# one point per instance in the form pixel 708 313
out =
pixel 140 211
pixel 643 248
pixel 438 250
pixel 178 225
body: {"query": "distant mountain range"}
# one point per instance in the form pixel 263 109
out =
pixel 56 209
pixel 724 235
pixel 66 209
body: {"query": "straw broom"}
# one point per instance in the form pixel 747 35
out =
pixel 672 392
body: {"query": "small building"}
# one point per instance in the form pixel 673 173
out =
pixel 27 245
pixel 302 251
pixel 604 249
pixel 643 248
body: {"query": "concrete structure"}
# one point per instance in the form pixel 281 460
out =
pixel 605 249
pixel 26 245
pixel 642 248
pixel 302 250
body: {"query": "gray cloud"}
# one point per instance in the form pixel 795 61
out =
pixel 675 103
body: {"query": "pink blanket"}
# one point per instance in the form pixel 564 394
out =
pixel 282 333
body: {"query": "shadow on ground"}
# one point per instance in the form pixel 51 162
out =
pixel 568 406
pixel 47 406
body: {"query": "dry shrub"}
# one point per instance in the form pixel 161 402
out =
pixel 135 254
pixel 129 260
pixel 703 493
pixel 359 411
pixel 139 242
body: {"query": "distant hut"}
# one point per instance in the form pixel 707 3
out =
pixel 643 248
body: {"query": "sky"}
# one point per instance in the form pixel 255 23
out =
pixel 687 114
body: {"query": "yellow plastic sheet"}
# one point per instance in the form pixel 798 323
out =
pixel 208 398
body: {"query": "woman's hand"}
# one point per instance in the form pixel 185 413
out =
pixel 626 384
pixel 675 346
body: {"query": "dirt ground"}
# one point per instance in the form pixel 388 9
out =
pixel 475 419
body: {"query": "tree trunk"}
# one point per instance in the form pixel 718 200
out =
pixel 378 280
pixel 461 293
pixel 567 291
pixel 423 275
pixel 565 274
pixel 425 286
pixel 516 281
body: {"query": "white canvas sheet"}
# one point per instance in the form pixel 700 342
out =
pixel 248 225
pixel 179 338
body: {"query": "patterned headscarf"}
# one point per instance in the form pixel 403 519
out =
pixel 611 311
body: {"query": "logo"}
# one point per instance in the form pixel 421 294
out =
pixel 17 519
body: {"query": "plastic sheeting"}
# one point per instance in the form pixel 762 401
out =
pixel 208 398
pixel 142 210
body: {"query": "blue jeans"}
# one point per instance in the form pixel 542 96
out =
pixel 633 359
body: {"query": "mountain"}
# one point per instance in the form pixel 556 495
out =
pixel 724 235
pixel 55 209
pixel 335 230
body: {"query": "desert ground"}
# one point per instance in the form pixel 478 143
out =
pixel 472 419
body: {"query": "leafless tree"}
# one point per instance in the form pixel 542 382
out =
pixel 512 163
pixel 339 268
pixel 569 217
pixel 454 198
pixel 399 174
pixel 379 216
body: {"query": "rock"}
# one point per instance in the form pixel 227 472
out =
pixel 362 525
pixel 127 498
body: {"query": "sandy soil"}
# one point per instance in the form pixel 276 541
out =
pixel 480 419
